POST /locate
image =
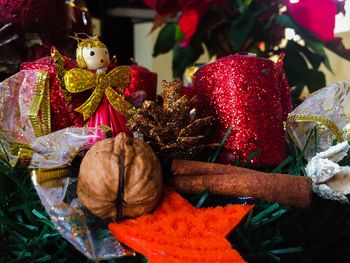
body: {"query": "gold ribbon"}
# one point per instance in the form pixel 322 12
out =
pixel 23 154
pixel 51 177
pixel 78 80
pixel 41 105
pixel 316 119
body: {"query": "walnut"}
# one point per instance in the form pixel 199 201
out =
pixel 120 177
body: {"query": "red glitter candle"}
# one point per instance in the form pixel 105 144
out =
pixel 144 80
pixel 252 95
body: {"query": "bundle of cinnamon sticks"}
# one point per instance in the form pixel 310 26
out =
pixel 195 177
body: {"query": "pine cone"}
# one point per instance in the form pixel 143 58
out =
pixel 170 126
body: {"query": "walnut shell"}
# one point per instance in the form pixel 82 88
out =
pixel 120 163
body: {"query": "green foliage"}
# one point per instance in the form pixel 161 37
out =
pixel 26 233
pixel 166 39
pixel 270 233
pixel 283 234
pixel 276 233
pixel 184 56
pixel 256 27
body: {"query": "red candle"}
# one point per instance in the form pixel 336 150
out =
pixel 252 95
pixel 142 80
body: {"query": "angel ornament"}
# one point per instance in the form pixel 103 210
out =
pixel 106 105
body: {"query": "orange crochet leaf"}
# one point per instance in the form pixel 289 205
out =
pixel 178 232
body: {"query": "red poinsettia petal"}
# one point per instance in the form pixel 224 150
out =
pixel 188 23
pixel 318 16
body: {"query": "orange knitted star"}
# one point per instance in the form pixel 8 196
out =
pixel 178 232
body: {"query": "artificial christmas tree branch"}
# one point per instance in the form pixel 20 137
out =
pixel 196 177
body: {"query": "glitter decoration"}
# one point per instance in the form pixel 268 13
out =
pixel 22 11
pixel 252 95
pixel 60 111
pixel 78 80
pixel 170 127
pixel 142 80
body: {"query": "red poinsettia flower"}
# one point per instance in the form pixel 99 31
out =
pixel 192 11
pixel 317 16
pixel 188 23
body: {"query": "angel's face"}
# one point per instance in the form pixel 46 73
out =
pixel 96 57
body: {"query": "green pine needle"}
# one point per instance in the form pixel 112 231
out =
pixel 286 250
pixel 203 198
pixel 270 233
pixel 257 219
pixel 222 143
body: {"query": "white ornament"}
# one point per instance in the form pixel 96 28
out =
pixel 329 179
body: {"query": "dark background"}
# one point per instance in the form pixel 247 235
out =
pixel 117 31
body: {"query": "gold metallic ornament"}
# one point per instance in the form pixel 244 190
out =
pixel 78 80
pixel 171 127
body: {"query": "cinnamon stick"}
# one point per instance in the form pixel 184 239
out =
pixel 186 167
pixel 191 177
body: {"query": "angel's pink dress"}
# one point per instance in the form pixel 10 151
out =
pixel 108 116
